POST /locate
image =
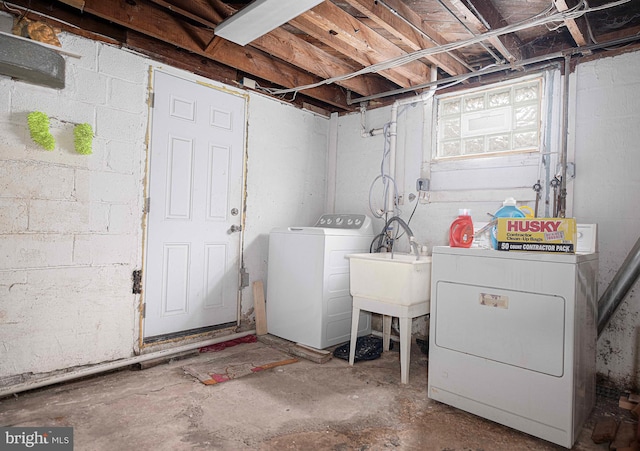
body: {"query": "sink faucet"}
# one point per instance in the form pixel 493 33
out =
pixel 405 227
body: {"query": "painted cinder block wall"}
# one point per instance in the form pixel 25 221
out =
pixel 606 138
pixel 603 143
pixel 71 226
pixel 287 174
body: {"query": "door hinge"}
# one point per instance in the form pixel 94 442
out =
pixel 144 310
pixel 147 204
pixel 136 277
pixel 152 99
pixel 244 278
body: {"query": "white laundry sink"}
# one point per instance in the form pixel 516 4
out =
pixel 396 278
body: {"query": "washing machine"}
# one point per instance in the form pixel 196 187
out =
pixel 513 338
pixel 308 298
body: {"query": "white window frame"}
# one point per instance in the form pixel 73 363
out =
pixel 505 125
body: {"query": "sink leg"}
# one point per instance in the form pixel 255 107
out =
pixel 386 331
pixel 405 348
pixel 355 318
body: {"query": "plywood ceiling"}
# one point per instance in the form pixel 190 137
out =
pixel 312 59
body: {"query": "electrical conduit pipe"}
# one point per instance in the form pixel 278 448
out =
pixel 393 131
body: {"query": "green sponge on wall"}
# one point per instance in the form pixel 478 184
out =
pixel 83 138
pixel 39 129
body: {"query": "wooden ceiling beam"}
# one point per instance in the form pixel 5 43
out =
pixel 285 46
pixel 197 17
pixel 294 50
pixel 509 45
pixel 414 36
pixel 205 67
pixel 353 39
pixel 182 59
pixel 328 38
pixel 289 48
pixel 619 34
pixel 577 27
pixel 152 20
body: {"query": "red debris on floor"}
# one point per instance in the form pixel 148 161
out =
pixel 227 344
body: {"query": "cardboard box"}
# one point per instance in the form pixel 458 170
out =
pixel 555 235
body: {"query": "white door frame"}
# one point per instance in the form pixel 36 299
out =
pixel 145 220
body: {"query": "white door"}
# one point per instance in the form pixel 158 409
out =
pixel 195 206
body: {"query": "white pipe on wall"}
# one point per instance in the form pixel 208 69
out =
pixel 332 164
pixel 393 133
pixel 363 124
pixel 108 366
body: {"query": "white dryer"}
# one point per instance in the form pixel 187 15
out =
pixel 308 298
pixel 513 338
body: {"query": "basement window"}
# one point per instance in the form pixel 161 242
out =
pixel 502 119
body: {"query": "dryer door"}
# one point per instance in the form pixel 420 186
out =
pixel 512 327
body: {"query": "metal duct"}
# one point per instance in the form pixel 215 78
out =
pixel 619 287
pixel 31 62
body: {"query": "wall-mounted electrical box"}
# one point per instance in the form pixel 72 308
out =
pixel 422 184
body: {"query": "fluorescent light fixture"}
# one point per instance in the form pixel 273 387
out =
pixel 260 17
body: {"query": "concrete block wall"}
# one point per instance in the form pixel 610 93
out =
pixel 287 173
pixel 606 136
pixel 70 224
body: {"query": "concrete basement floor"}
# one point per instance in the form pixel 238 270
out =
pixel 301 406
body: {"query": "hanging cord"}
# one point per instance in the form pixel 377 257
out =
pixel 541 19
pixel 387 180
pixel 410 217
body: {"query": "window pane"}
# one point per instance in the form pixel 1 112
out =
pixel 525 140
pixel 450 107
pixel 450 149
pixel 474 103
pixel 474 145
pixel 499 98
pixel 526 93
pixel 451 128
pixel 500 118
pixel 526 116
pixel 499 143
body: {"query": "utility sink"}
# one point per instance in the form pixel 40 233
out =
pixel 394 278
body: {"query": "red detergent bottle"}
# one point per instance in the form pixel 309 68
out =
pixel 461 230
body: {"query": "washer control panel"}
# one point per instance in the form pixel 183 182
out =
pixel 341 221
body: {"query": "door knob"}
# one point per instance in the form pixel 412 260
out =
pixel 234 228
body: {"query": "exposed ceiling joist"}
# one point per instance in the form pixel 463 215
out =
pixel 157 22
pixel 407 27
pixel 577 27
pixel 349 36
pixel 331 48
pixel 197 11
pixel 294 50
pixel 490 18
